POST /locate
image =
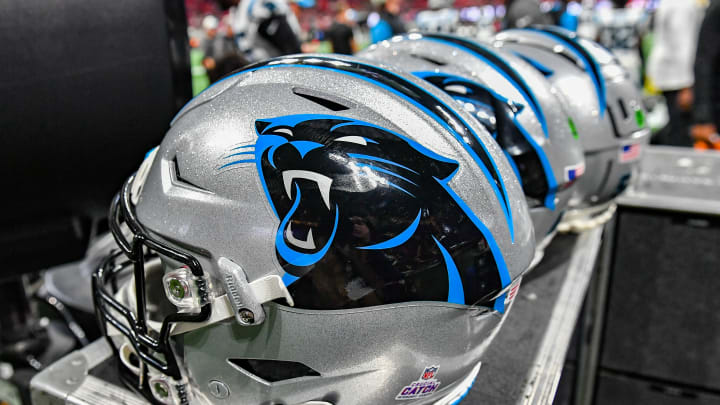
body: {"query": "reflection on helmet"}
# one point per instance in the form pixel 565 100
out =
pixel 362 215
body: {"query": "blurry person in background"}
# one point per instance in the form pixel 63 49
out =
pixel 524 13
pixel 570 16
pixel 221 54
pixel 441 16
pixel 670 65
pixel 296 6
pixel 340 34
pixel 565 14
pixel 621 29
pixel 386 22
pixel 706 111
pixel 263 28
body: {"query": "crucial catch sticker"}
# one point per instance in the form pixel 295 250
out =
pixel 425 386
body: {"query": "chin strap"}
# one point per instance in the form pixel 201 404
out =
pixel 586 219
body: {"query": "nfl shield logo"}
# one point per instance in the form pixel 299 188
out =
pixel 429 373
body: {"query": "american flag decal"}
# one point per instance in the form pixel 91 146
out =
pixel 629 152
pixel 574 171
pixel 513 292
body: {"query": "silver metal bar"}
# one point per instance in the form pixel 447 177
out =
pixel 676 179
pixel 544 376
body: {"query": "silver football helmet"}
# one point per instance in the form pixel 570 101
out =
pixel 604 105
pixel 314 230
pixel 514 103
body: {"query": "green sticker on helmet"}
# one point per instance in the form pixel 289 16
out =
pixel 573 129
pixel 640 117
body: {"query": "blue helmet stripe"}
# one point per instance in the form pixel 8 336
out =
pixel 494 248
pixel 546 71
pixel 237 162
pixel 590 65
pixel 547 168
pixel 239 154
pixel 398 240
pixel 512 164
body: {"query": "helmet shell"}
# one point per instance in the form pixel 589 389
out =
pixel 603 103
pixel 256 162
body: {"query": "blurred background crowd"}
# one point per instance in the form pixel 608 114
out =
pixel 656 40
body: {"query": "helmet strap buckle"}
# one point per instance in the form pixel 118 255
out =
pixel 246 298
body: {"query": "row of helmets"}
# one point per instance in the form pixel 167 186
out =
pixel 320 229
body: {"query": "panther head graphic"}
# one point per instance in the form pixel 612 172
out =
pixel 366 216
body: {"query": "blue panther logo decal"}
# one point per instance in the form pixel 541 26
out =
pixel 367 216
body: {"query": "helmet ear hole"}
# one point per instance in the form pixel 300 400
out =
pixel 434 61
pixel 274 370
pixel 129 358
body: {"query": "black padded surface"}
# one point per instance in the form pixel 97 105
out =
pixel 87 88
pixel 616 389
pixel 663 317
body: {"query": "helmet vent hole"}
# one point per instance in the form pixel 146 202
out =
pixel 623 109
pixel 431 60
pixel 274 370
pixel 323 100
pixel 134 360
pixel 180 179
